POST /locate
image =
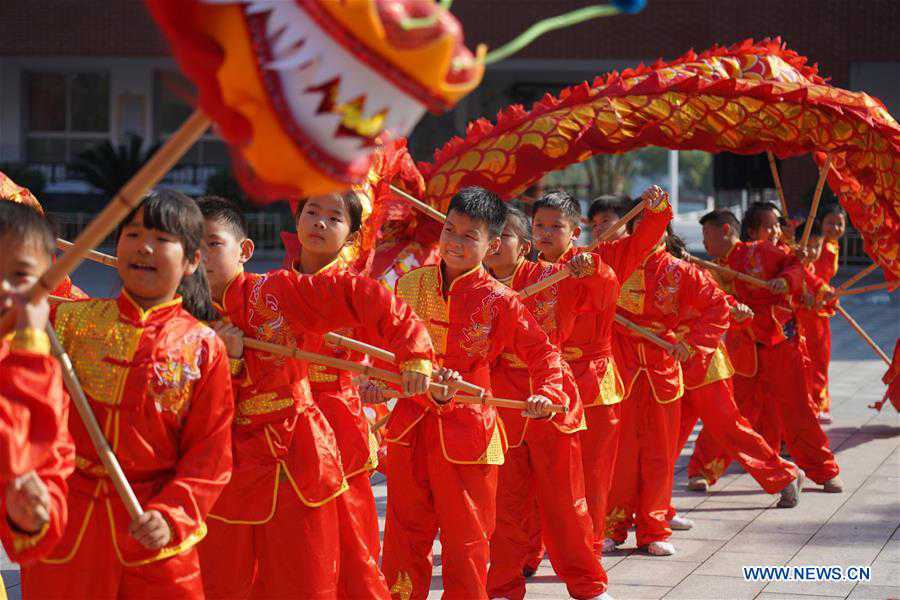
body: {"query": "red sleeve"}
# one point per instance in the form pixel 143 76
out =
pixel 706 312
pixel 626 254
pixel 789 268
pixel 323 303
pixel 204 466
pixel 528 341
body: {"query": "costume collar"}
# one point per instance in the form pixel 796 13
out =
pixel 469 276
pixel 130 309
pixel 330 265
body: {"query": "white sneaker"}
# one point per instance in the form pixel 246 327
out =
pixel 825 418
pixel 790 495
pixel 603 596
pixel 679 523
pixel 661 549
pixel 608 546
pixel 698 483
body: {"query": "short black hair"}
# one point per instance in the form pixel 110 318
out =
pixel 753 217
pixel 615 203
pixel 22 222
pixel 563 202
pixel 352 203
pixel 815 230
pixel 216 208
pixel 720 217
pixel 482 205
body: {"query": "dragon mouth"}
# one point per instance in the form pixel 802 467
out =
pixel 332 104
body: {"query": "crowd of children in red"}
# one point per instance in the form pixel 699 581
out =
pixel 253 468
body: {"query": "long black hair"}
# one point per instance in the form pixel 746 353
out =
pixel 178 215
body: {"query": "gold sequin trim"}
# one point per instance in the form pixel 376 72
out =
pixel 263 404
pixel 631 295
pixel 93 336
pixel 403 587
pixel 513 360
pixel 31 340
pixel 421 290
pixel 719 367
pixel 321 374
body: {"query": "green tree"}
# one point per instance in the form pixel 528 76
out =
pixel 108 167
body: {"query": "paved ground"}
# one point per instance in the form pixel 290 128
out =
pixel 736 524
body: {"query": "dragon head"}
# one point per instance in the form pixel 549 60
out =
pixel 302 88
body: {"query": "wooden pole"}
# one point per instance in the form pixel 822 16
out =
pixel 857 277
pixel 428 210
pixel 728 271
pixel 869 288
pixel 129 197
pixel 99 257
pixel 817 196
pixel 774 168
pixel 645 333
pixel 865 336
pixel 104 451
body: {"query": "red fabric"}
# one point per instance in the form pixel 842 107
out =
pixel 776 403
pixel 645 465
pixel 430 494
pixel 547 465
pixel 479 319
pixel 255 561
pixel 360 544
pixel 679 302
pixel 714 405
pixel 772 313
pixel 892 381
pixel 95 572
pixel 599 451
pixel 816 330
pixel 277 422
pixel 34 436
pixel 536 548
pixel 168 420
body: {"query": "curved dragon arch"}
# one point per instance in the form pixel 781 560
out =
pixel 748 98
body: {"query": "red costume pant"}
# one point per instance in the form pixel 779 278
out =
pixel 599 446
pixel 714 404
pixel 427 494
pixel 536 549
pixel 293 555
pixel 645 466
pixel 359 575
pixel 776 403
pixel 817 331
pixel 95 572
pixel 547 465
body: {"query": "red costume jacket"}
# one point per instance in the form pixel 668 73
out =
pixel 703 369
pixel 33 436
pixel 281 436
pixel 773 319
pixel 477 320
pixel 158 383
pixel 677 301
pixel 556 309
pixel 589 349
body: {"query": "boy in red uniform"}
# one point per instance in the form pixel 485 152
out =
pixel 775 395
pixel 605 211
pixel 544 458
pixel 289 475
pixel 36 450
pixel 157 381
pixel 442 457
pixel 815 321
pixel 673 299
pixel 589 349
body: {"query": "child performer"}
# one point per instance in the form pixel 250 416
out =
pixel 589 349
pixel 673 299
pixel 815 321
pixel 442 457
pixel 775 396
pixel 157 380
pixel 544 458
pixel 36 450
pixel 604 211
pixel 290 524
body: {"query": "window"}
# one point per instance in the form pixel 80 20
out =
pixel 173 97
pixel 66 113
